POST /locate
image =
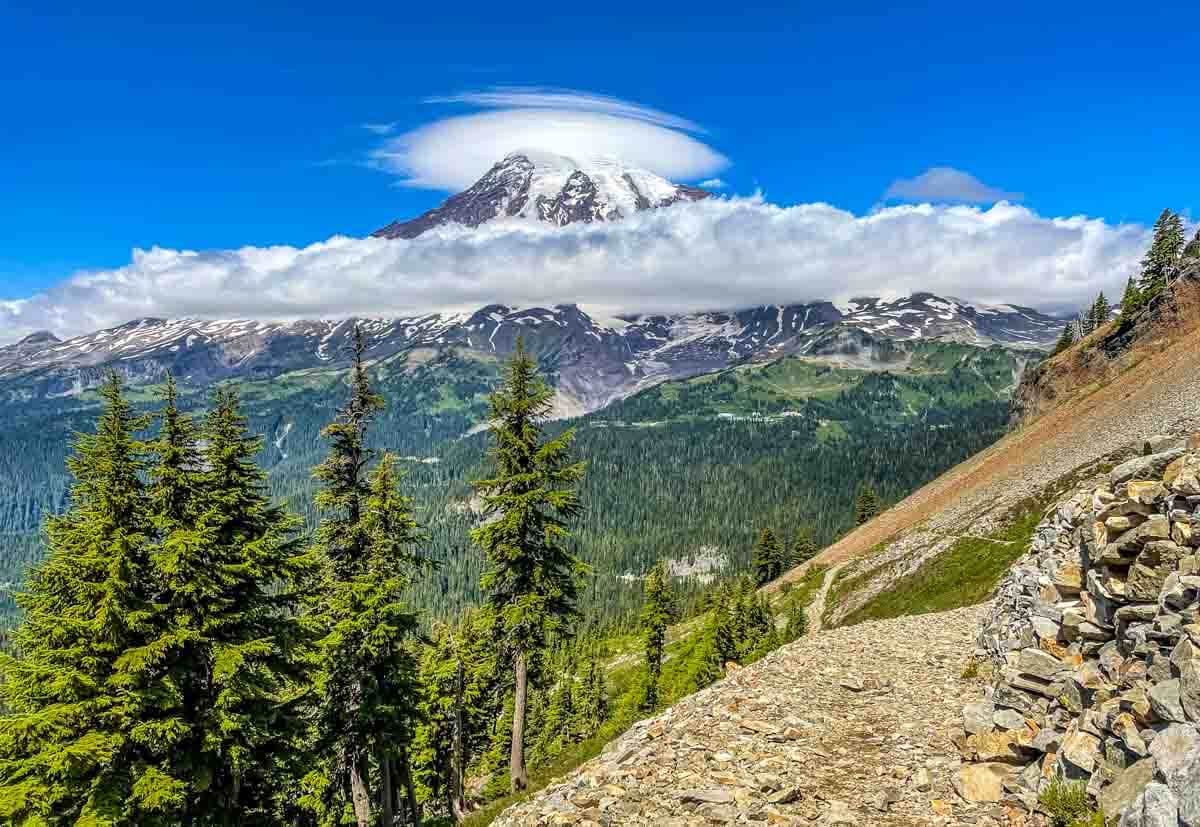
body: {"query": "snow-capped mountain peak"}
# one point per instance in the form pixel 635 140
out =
pixel 542 186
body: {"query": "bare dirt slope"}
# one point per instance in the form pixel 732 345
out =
pixel 1162 395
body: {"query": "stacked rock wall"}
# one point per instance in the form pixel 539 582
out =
pixel 1095 640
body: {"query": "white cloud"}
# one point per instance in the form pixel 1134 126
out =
pixel 380 128
pixel 713 184
pixel 719 253
pixel 452 153
pixel 947 184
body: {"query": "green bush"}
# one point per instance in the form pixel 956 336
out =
pixel 1068 805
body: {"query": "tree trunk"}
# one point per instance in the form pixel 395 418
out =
pixel 410 792
pixel 360 789
pixel 385 789
pixel 458 798
pixel 518 777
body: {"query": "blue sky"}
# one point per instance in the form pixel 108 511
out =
pixel 242 124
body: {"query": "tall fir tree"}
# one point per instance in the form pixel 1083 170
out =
pixel 368 539
pixel 803 547
pixel 797 622
pixel 1065 339
pixel 717 644
pixel 658 612
pixel 767 561
pixel 531 578
pixel 232 574
pixel 866 506
pixel 1161 258
pixel 1100 311
pixel 78 744
pixel 1131 301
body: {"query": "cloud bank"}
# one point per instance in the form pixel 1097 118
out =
pixel 453 153
pixel 940 184
pixel 719 253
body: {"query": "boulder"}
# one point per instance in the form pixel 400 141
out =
pixel 977 717
pixel 1155 807
pixel 1126 786
pixel 1176 752
pixel 1166 702
pixel 1080 752
pixel 1144 468
pixel 980 783
pixel 1189 690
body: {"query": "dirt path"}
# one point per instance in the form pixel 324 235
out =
pixel 816 609
pixel 847 727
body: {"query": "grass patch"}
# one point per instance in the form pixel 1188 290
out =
pixel 963 575
pixel 1068 805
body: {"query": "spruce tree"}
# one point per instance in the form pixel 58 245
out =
pixel 797 622
pixel 1161 258
pixel 767 561
pixel 658 612
pixel 717 645
pixel 1132 301
pixel 1066 339
pixel 803 547
pixel 368 539
pixel 1100 311
pixel 231 573
pixel 78 744
pixel 530 578
pixel 866 506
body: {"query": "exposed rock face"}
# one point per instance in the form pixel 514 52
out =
pixel 1095 637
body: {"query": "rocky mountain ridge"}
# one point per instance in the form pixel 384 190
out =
pixel 1095 639
pixel 594 359
pixel 540 186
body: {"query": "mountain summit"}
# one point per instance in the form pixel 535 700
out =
pixel 542 186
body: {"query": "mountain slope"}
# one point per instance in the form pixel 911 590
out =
pixel 540 186
pixel 593 359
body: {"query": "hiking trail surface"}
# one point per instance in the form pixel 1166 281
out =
pixel 848 727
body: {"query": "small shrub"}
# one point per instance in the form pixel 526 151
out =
pixel 1067 804
pixel 971 670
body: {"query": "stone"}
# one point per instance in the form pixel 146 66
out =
pixel 1009 719
pixel 1080 750
pixel 1166 702
pixel 1068 578
pixel 839 814
pixel 706 797
pixel 1176 753
pixel 977 717
pixel 1146 492
pixel 980 783
pixel 1041 664
pixel 1144 468
pixel 1126 786
pixel 1155 807
pixel 1189 690
pixel 921 780
pixel 1145 582
pixel 998 747
pixel 1183 475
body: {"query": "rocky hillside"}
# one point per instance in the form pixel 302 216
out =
pixel 1095 639
pixel 1110 351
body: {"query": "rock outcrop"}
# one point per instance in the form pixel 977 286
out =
pixel 1095 639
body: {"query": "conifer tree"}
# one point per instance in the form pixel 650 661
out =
pixel 866 506
pixel 592 706
pixel 1066 339
pixel 1132 300
pixel 797 622
pixel 230 571
pixel 368 539
pixel 658 612
pixel 768 558
pixel 717 644
pixel 803 547
pixel 1100 311
pixel 1163 254
pixel 78 744
pixel 1192 250
pixel 531 577
pixel 457 708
